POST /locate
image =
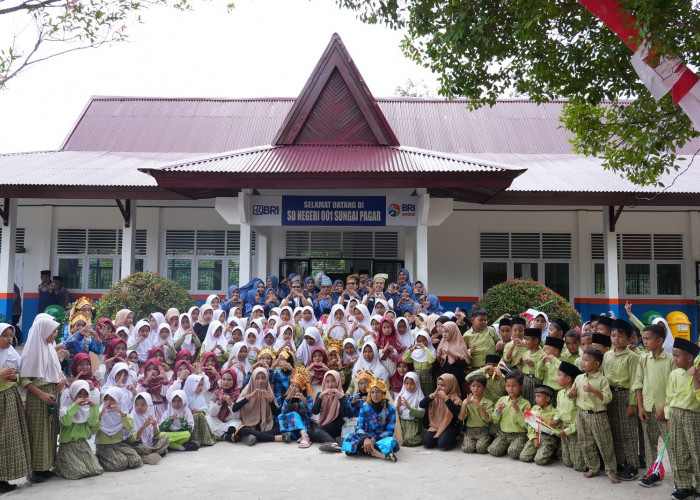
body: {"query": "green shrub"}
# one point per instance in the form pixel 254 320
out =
pixel 516 296
pixel 143 293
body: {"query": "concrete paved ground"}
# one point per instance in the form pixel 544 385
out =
pixel 278 470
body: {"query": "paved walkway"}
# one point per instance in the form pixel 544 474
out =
pixel 277 470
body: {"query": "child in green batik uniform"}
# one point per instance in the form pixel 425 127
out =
pixel 547 367
pixel 508 414
pixel 541 446
pixel 477 410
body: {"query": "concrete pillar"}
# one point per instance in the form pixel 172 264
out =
pixel 129 243
pixel 261 252
pixel 245 261
pixel 7 261
pixel 421 254
pixel 409 249
pixel 612 286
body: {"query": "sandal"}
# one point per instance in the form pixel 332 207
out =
pixel 286 437
pixel 305 442
pixel 391 457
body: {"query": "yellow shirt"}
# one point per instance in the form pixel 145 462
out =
pixel 508 419
pixel 474 418
pixel 568 357
pixel 676 397
pixel 548 371
pixel 652 377
pixel 566 412
pixel 485 341
pixel 495 388
pixel 532 356
pixel 588 400
pixel 621 369
pixel 546 414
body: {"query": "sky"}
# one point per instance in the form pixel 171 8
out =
pixel 262 48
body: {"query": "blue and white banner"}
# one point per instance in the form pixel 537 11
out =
pixel 334 210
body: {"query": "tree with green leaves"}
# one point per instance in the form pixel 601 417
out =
pixel 44 29
pixel 551 49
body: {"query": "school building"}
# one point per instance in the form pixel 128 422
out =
pixel 211 192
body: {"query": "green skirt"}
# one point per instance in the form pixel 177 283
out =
pixel 159 446
pixel 176 438
pixel 202 434
pixel 412 432
pixel 16 455
pixel 117 457
pixel 76 460
pixel 43 430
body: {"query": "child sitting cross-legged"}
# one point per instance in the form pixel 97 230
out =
pixel 541 446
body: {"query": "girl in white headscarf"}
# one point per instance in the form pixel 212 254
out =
pixel 114 454
pixel 216 342
pixel 369 360
pixel 307 318
pixel 154 320
pixel 285 338
pixel 409 412
pixel 120 378
pixel 668 341
pixel 312 339
pixel 196 386
pixel 40 364
pixel 140 340
pixel 539 320
pixel 337 326
pixel 184 337
pixel 177 422
pixel 166 341
pixel 145 437
pixel 15 458
pixel 80 418
pixel 406 336
pixel 252 343
pixel 242 366
pixel 362 323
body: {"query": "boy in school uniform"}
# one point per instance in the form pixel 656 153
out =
pixel 541 446
pixel 604 325
pixel 476 412
pixel 480 339
pixel 655 366
pixel 558 328
pixel 683 414
pixel 586 343
pixel 529 360
pixel 592 393
pixel 508 414
pixel 547 368
pixel 513 351
pixel 495 381
pixel 620 368
pixel 566 417
pixel 572 339
pixel 504 331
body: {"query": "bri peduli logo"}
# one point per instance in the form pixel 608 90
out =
pixel 405 210
pixel 266 210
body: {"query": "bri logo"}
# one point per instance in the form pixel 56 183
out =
pixel 394 210
pixel 266 210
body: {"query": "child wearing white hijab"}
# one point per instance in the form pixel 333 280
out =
pixel 114 454
pixel 145 437
pixel 15 459
pixel 184 336
pixel 369 360
pixel 408 410
pixel 177 422
pixel 337 326
pixel 166 341
pixel 80 418
pixel 312 339
pixel 215 341
pixel 140 340
pixel 196 387
pixel 242 366
pixel 43 379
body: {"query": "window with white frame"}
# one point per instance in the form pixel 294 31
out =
pixel 90 259
pixel 543 257
pixel 19 239
pixel 649 264
pixel 203 260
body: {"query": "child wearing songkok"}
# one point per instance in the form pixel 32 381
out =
pixel 529 360
pixel 655 365
pixel 566 418
pixel 422 355
pixel 481 338
pixel 443 408
pixel 476 412
pixel 375 426
pixel 558 328
pixel 508 415
pixel 177 422
pixel 145 437
pixel 604 325
pixel 505 331
pixel 603 343
pixel 495 381
pixel 620 368
pixel 541 446
pixel 573 344
pixel 547 367
pixel 113 452
pixel 592 393
pixel 683 413
pixel 513 351
pixel 409 410
pixel 80 418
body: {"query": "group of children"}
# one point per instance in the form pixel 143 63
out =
pixel 122 395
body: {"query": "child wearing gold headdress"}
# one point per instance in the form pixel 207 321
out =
pixel 296 417
pixel 361 394
pixel 374 434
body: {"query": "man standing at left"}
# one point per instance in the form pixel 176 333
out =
pixel 47 297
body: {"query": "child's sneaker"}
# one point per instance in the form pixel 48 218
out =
pixel 682 494
pixel 653 480
pixel 191 446
pixel 249 440
pixel 330 447
pixel 628 473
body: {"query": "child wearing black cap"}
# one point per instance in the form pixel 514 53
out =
pixel 683 413
pixel 514 350
pixel 529 361
pixel 509 416
pixel 558 328
pixel 495 381
pixel 592 393
pixel 620 368
pixel 655 366
pixel 604 325
pixel 547 368
pixel 601 342
pixel 541 446
pixel 566 417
